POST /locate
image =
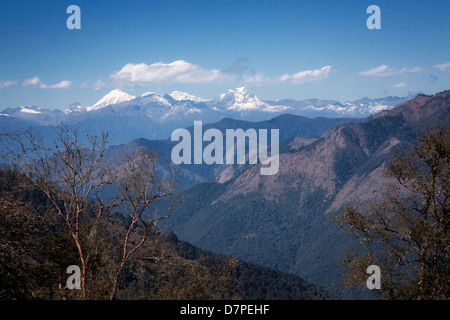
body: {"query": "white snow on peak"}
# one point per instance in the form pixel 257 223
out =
pixel 351 109
pixel 148 93
pixel 378 108
pixel 154 97
pixel 241 94
pixel 240 100
pixel 75 108
pixel 114 97
pixel 182 96
pixel 28 110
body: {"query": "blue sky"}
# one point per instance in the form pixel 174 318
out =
pixel 277 49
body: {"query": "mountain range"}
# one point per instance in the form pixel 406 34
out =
pixel 283 221
pixel 280 221
pixel 154 116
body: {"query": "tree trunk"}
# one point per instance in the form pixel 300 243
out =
pixel 83 267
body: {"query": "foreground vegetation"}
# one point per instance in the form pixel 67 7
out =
pixel 407 233
pixel 63 206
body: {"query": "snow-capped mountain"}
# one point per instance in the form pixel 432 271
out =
pixel 114 97
pixel 150 98
pixel 22 110
pixel 155 116
pixel 360 108
pixel 241 101
pixel 183 96
pixel 351 109
pixel 34 115
pixel 75 107
pixel 238 103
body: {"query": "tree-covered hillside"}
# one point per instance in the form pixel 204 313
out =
pixel 36 250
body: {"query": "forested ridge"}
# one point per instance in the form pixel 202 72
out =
pixel 36 250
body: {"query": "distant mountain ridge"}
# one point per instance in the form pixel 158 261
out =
pixel 155 116
pixel 290 126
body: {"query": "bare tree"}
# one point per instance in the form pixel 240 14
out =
pixel 68 172
pixel 140 187
pixel 72 175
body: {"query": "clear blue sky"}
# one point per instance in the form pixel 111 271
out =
pixel 277 49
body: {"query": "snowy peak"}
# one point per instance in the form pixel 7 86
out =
pixel 75 107
pixel 150 97
pixel 23 111
pixel 114 97
pixel 237 95
pixel 240 100
pixel 241 95
pixel 360 108
pixel 32 110
pixel 149 93
pixel 183 96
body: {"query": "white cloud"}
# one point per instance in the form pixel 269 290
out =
pixel 7 84
pixel 32 82
pixel 384 71
pixel 443 67
pixel 400 85
pixel 307 75
pixel 178 71
pixel 60 85
pixel 35 82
